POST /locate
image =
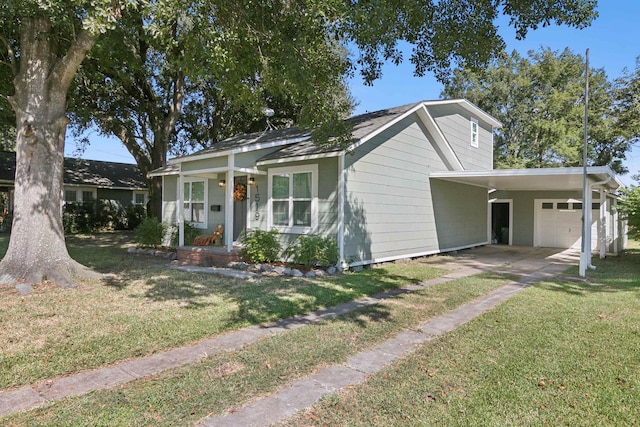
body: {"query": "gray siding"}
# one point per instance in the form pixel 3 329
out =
pixel 455 124
pixel 460 213
pixel 389 212
pixel 170 199
pixel 524 210
pixel 123 197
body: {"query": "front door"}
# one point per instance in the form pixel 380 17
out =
pixel 501 221
pixel 239 206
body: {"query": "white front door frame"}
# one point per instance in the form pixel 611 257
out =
pixel 489 215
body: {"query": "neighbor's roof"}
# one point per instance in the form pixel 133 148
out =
pixel 296 142
pixel 92 173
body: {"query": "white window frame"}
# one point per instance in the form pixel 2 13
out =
pixel 144 193
pixel 475 132
pixel 293 229
pixel 80 194
pixel 190 181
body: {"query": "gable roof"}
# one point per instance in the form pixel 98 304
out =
pixel 80 172
pixel 297 143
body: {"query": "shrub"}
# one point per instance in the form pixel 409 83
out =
pixel 135 215
pixel 79 217
pixel 150 232
pixel 172 234
pixel 313 250
pixel 260 246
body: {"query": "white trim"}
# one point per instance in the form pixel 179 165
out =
pixel 313 169
pixel 440 140
pixel 341 202
pixel 247 220
pixel 242 149
pixel 415 255
pixel 469 106
pixel 510 202
pixel 250 171
pixel 162 200
pixel 228 204
pixel 475 134
pixel 299 158
pixel 144 193
pixel 180 208
pixel 205 223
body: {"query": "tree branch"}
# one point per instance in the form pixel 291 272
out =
pixel 65 69
pixel 11 53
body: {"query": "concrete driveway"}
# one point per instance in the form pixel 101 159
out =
pixel 519 260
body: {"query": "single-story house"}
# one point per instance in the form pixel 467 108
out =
pixel 417 180
pixel 84 181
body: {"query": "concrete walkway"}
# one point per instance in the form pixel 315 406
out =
pixel 530 264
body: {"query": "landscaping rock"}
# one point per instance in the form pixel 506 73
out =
pixel 286 271
pixel 332 270
pixel 266 268
pixel 319 273
pixel 310 274
pixel 296 273
pixel 279 270
pixel 24 289
pixel 132 250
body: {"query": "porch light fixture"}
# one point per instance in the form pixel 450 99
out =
pixel 252 181
pixel 222 183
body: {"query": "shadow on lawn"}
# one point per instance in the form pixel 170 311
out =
pixel 268 299
pixel 612 274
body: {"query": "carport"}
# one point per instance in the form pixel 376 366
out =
pixel 543 207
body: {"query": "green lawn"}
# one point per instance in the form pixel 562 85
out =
pixel 147 308
pixel 560 353
pixel 563 352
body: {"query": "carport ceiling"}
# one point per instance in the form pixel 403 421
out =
pixel 552 179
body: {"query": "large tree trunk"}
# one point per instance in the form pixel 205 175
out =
pixel 37 249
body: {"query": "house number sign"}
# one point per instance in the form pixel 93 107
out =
pixel 256 198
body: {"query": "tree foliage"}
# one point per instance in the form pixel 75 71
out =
pixel 540 101
pixel 629 208
pixel 232 43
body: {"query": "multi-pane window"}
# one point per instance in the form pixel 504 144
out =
pixel 292 199
pixel 194 202
pixel 70 196
pixel 474 133
pixel 139 198
pixel 87 196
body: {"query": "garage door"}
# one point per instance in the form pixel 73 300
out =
pixel 559 224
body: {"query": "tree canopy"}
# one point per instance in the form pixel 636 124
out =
pixel 540 101
pixel 233 43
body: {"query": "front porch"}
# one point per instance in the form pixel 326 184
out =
pixel 208 256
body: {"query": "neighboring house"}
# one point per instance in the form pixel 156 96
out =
pixel 417 180
pixel 84 181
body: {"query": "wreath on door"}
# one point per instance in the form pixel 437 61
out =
pixel 239 192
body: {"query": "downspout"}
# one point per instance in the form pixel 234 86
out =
pixel 587 244
pixel 604 205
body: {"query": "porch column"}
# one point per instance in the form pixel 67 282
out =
pixel 603 223
pixel 228 210
pixel 180 210
pixel 616 226
pixel 341 202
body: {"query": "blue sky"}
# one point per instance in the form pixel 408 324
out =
pixel 612 40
